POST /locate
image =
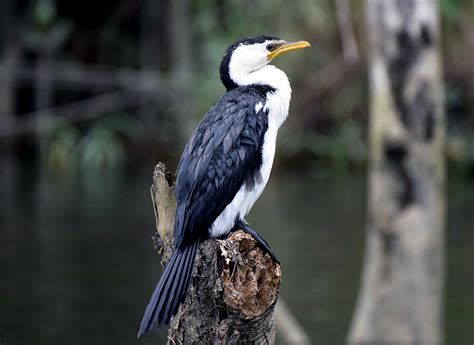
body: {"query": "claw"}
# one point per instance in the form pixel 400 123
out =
pixel 242 224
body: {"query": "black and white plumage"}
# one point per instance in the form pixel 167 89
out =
pixel 225 164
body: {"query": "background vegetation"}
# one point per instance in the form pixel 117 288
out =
pixel 129 80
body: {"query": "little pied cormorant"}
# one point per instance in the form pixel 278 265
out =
pixel 225 164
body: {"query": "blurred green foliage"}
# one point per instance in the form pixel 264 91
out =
pixel 460 153
pixel 329 107
pixel 100 148
pixel 345 144
pixel 450 9
pixel 44 14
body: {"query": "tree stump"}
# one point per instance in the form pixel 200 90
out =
pixel 234 284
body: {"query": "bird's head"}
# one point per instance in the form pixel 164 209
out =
pixel 251 54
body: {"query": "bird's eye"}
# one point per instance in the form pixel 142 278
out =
pixel 271 47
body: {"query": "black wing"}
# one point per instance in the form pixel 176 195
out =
pixel 222 153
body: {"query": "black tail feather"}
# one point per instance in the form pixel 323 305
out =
pixel 162 304
pixel 170 290
pixel 181 285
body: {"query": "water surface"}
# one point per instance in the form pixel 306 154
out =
pixel 77 264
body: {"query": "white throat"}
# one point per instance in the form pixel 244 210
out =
pixel 279 101
pixel 266 75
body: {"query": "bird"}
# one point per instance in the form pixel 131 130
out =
pixel 225 164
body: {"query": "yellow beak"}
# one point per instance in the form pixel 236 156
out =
pixel 287 47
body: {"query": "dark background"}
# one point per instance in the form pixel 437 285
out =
pixel 94 94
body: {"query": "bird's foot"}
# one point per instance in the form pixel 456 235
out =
pixel 242 224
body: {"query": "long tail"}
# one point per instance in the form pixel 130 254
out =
pixel 170 290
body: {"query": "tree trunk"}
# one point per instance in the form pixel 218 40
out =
pixel 400 298
pixel 234 285
pixel 9 59
pixel 346 31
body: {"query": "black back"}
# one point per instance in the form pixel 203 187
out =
pixel 222 153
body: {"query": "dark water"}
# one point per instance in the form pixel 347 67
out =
pixel 77 264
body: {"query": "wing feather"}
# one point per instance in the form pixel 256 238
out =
pixel 222 154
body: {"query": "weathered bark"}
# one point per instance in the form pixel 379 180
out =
pixel 400 298
pixel 234 285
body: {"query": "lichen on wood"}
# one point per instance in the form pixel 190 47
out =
pixel 234 286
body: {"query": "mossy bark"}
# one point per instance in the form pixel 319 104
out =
pixel 234 285
pixel 400 299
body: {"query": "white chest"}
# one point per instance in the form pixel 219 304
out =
pixel 277 105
